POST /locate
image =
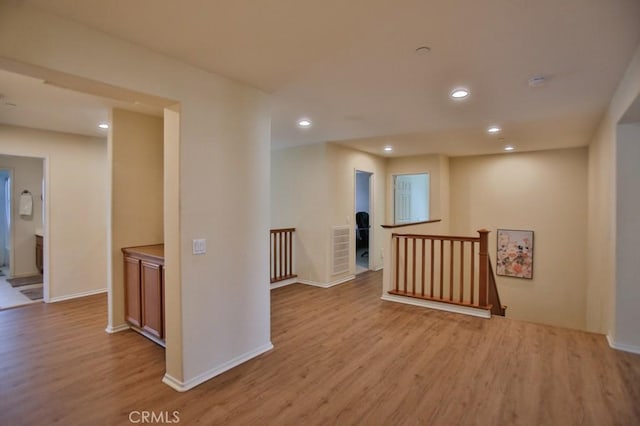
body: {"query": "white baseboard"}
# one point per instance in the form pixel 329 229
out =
pixel 284 283
pixel 327 285
pixel 457 309
pixel 77 295
pixel 622 346
pixel 379 268
pixel 191 383
pixel 117 328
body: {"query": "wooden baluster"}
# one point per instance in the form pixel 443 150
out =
pixel 483 266
pixel 441 269
pixel 285 254
pixel 473 268
pixel 451 271
pixel 275 257
pixel 461 271
pixel 270 258
pixel 406 261
pixel 397 286
pixel 432 265
pixel 291 253
pixel 285 272
pixel 280 254
pixel 285 242
pixel 413 276
pixel 424 260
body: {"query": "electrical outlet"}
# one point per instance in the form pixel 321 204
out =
pixel 199 246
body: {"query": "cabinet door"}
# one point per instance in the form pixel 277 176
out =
pixel 152 315
pixel 133 300
pixel 39 253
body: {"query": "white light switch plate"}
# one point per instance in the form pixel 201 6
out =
pixel 199 246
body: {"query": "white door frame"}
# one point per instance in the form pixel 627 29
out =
pixel 11 226
pixel 371 211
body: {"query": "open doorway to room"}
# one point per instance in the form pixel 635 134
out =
pixel 5 222
pixel 363 213
pixel 21 230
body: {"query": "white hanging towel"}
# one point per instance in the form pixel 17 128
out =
pixel 26 204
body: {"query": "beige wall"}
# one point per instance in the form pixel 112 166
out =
pixel 343 162
pixel 224 183
pixel 602 312
pixel 27 175
pixel 172 247
pixel 543 191
pixel 601 230
pixel 299 199
pixel 136 204
pixel 76 186
pixel 313 190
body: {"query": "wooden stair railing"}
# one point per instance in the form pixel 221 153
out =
pixel 281 254
pixel 444 268
pixel 497 308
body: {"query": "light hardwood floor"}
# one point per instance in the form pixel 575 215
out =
pixel 342 356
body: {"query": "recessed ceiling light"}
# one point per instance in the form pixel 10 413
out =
pixel 304 122
pixel 388 148
pixel 103 125
pixel 509 148
pixel 494 129
pixel 459 93
pixel 423 50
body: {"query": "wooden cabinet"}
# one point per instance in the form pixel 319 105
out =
pixel 133 291
pixel 39 254
pixel 144 289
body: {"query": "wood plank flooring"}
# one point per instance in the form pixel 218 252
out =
pixel 342 356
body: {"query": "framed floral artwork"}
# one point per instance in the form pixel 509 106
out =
pixel 515 253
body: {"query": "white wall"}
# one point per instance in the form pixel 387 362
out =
pixel 546 192
pixel 223 177
pixel 76 188
pixel 627 296
pixel 27 175
pixel 602 312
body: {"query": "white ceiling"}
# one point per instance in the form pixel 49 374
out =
pixel 30 102
pixel 350 65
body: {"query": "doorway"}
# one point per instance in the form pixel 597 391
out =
pixel 22 217
pixel 363 212
pixel 5 222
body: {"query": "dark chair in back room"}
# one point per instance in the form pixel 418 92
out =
pixel 362 222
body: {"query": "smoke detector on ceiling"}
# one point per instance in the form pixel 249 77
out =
pixel 537 81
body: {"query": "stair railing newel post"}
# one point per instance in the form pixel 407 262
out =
pixel 483 280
